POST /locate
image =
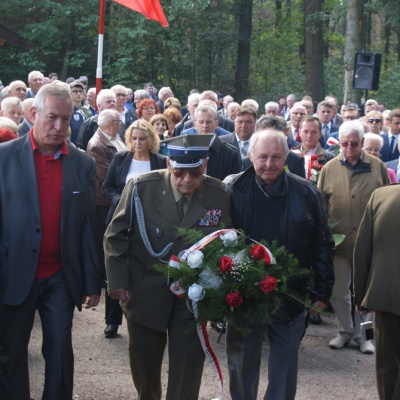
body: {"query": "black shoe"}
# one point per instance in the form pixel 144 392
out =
pixel 316 319
pixel 111 330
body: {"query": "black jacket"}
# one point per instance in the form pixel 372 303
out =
pixel 304 227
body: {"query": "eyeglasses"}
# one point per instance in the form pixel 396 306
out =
pixel 372 120
pixel 194 173
pixel 351 144
pixel 148 109
pixel 77 91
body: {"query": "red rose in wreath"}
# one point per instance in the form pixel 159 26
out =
pixel 234 299
pixel 225 264
pixel 268 285
pixel 259 252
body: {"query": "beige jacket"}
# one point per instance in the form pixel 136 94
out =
pixel 376 255
pixel 346 193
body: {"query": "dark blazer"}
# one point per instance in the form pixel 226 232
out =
pixel 333 132
pixel 231 139
pixel 179 127
pixel 86 131
pixel 130 118
pixel 23 129
pixel 223 160
pixel 386 154
pixel 223 122
pixel 20 223
pixel 114 183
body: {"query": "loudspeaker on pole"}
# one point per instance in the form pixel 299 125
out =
pixel 367 69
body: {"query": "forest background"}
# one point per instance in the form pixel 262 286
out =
pixel 257 49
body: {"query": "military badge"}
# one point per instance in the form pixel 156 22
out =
pixel 211 218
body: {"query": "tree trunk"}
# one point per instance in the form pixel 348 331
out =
pixel 313 43
pixel 243 53
pixel 353 44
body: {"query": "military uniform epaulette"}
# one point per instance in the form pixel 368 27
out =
pixel 215 183
pixel 149 176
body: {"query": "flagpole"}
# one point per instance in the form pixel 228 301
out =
pixel 99 70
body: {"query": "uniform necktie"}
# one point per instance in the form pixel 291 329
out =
pixel 182 207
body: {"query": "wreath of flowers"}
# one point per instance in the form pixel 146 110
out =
pixel 224 275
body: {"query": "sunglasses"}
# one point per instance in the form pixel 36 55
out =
pixel 194 173
pixel 351 144
pixel 372 120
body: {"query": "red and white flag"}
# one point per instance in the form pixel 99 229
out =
pixel 151 9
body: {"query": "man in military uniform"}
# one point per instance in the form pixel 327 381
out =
pixel 144 232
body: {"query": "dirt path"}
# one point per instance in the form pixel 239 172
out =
pixel 102 368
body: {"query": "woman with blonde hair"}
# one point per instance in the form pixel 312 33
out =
pixel 142 156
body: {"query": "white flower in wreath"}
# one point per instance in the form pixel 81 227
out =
pixel 195 259
pixel 229 239
pixel 196 292
pixel 314 175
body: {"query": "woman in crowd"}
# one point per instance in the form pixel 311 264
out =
pixel 142 156
pixel 372 145
pixel 173 118
pixel 146 109
pixel 172 102
pixel 160 124
pixel 374 120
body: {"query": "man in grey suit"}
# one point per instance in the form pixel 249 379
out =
pixel 25 126
pixel 48 258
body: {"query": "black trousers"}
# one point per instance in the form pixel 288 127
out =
pixel 51 297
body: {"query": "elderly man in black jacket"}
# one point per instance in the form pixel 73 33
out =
pixel 272 204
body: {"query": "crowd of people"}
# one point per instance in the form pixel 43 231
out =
pixel 93 189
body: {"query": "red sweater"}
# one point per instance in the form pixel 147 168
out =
pixel 49 181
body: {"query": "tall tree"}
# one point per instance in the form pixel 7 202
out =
pixel 243 50
pixel 314 50
pixel 353 44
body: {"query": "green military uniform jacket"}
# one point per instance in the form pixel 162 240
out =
pixel 128 262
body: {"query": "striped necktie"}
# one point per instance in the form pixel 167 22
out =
pixel 245 147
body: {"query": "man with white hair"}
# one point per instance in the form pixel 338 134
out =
pixel 223 157
pixel 272 108
pixel 346 183
pixel 25 126
pixel 105 101
pixel 127 116
pixel 232 109
pixel 290 101
pixel 228 99
pixel 163 94
pixel 251 103
pixel 139 95
pixel 35 82
pixel 269 203
pixel 17 89
pixel 102 147
pixel 223 122
pixel 11 107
